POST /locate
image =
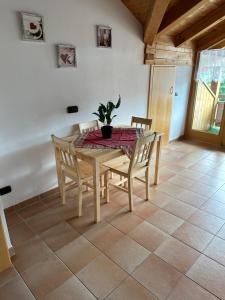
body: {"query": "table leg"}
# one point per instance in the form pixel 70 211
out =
pixel 96 183
pixel 158 152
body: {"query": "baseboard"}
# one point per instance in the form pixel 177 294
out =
pixel 180 138
pixel 12 251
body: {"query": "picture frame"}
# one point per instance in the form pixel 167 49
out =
pixel 104 36
pixel 32 27
pixel 66 56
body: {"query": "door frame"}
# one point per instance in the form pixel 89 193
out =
pixel 149 102
pixel 193 134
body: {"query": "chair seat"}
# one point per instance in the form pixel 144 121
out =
pixel 119 165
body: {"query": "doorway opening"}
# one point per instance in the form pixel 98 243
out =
pixel 210 92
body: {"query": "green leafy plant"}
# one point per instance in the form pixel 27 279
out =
pixel 104 113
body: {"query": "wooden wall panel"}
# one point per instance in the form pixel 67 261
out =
pixel 162 54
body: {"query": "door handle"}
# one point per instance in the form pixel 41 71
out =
pixel 171 90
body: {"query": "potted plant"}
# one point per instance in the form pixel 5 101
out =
pixel 104 115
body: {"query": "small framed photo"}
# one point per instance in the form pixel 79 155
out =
pixel 104 36
pixel 66 56
pixel 32 27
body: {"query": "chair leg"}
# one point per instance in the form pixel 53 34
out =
pixel 106 184
pixel 147 184
pixel 130 193
pixel 102 184
pixel 61 181
pixel 80 200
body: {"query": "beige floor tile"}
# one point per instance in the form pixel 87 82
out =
pixel 145 209
pixel 15 290
pixel 170 189
pixel 7 275
pixel 165 221
pixel 191 174
pixel 30 253
pixel 181 181
pixel 132 290
pixel 148 236
pixel 210 275
pixel 160 199
pixel 125 221
pixel 42 278
pixel 206 221
pixel 13 219
pixel 219 196
pixel 203 189
pixel 186 289
pixel 192 198
pixel 20 234
pixel 217 183
pixel 177 254
pixel 32 210
pixel 71 289
pixel 215 208
pixel 77 254
pixel 108 209
pixel 180 209
pixel 157 276
pixel 42 221
pixel 127 253
pixel 221 233
pixel 103 236
pixel 166 174
pixel 101 276
pixel 59 235
pixel 193 236
pixel 216 173
pixel 84 223
pixel 216 250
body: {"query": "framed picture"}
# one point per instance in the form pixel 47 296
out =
pixel 66 56
pixel 104 36
pixel 32 27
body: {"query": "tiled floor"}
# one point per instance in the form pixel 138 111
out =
pixel 171 247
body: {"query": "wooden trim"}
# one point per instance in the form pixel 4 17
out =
pixel 5 261
pixel 196 135
pixel 201 26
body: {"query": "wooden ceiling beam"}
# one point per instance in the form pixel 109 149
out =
pixel 212 38
pixel 156 11
pixel 219 45
pixel 201 26
pixel 180 11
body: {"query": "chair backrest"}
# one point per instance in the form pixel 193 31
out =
pixel 141 122
pixel 65 157
pixel 89 126
pixel 142 152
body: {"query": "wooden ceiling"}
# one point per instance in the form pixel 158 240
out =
pixel 196 24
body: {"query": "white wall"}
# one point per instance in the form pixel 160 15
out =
pixel 180 102
pixel 34 94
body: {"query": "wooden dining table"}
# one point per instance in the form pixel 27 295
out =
pixel 96 157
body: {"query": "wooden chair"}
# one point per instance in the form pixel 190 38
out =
pixel 70 171
pixel 141 122
pixel 89 126
pixel 139 164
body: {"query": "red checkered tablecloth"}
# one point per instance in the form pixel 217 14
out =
pixel 122 138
